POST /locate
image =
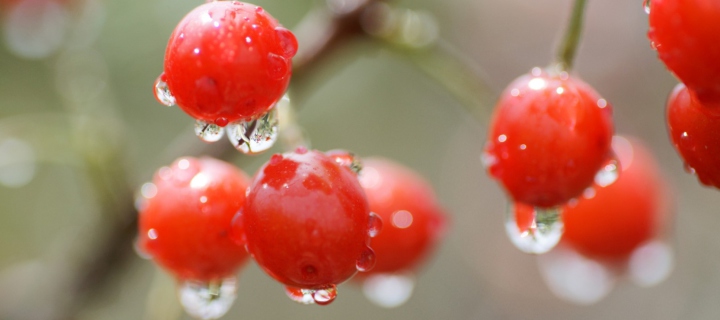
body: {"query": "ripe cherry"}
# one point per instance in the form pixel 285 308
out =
pixel 693 130
pixel 685 35
pixel 413 220
pixel 306 223
pixel 185 218
pixel 413 224
pixel 550 134
pixel 613 231
pixel 609 223
pixel 226 61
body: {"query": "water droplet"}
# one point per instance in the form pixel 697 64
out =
pixel 374 225
pixel 140 251
pixel 346 159
pixel 288 42
pixel 572 277
pixel 366 261
pixel 237 230
pixel 206 301
pixel 302 296
pixel 388 290
pixel 688 168
pixel 651 263
pixel 646 6
pixel 323 296
pixel 608 174
pixel 533 230
pixel 259 9
pixel 17 163
pixel 254 136
pixel 301 150
pixel 488 160
pixel 162 92
pixel 279 66
pixel 208 132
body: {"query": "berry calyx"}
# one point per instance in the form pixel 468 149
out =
pixel 413 221
pixel 609 223
pixel 693 127
pixel 306 221
pixel 685 35
pixel 228 61
pixel 549 135
pixel 185 219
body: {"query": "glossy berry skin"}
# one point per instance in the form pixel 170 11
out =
pixel 549 136
pixel 612 222
pixel 185 225
pixel 306 220
pixel 228 61
pixel 693 129
pixel 686 35
pixel 413 221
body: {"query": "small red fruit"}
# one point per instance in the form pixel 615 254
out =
pixel 228 61
pixel 686 35
pixel 306 223
pixel 610 222
pixel 693 128
pixel 413 221
pixel 186 215
pixel 550 134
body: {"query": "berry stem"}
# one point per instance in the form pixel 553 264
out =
pixel 571 39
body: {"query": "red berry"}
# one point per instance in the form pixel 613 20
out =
pixel 185 219
pixel 413 221
pixel 549 136
pixel 693 129
pixel 686 35
pixel 228 61
pixel 306 221
pixel 610 222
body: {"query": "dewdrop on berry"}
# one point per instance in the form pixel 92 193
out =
pixel 207 300
pixel 533 229
pixel 251 137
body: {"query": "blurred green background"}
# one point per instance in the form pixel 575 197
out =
pixel 90 101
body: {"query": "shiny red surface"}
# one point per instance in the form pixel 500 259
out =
pixel 622 216
pixel 190 219
pixel 413 221
pixel 693 129
pixel 306 219
pixel 686 35
pixel 228 61
pixel 548 137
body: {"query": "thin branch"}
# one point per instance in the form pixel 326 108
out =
pixel 571 39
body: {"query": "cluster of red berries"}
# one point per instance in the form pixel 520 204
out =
pixel 304 217
pixel 686 38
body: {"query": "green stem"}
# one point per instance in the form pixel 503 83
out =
pixel 568 46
